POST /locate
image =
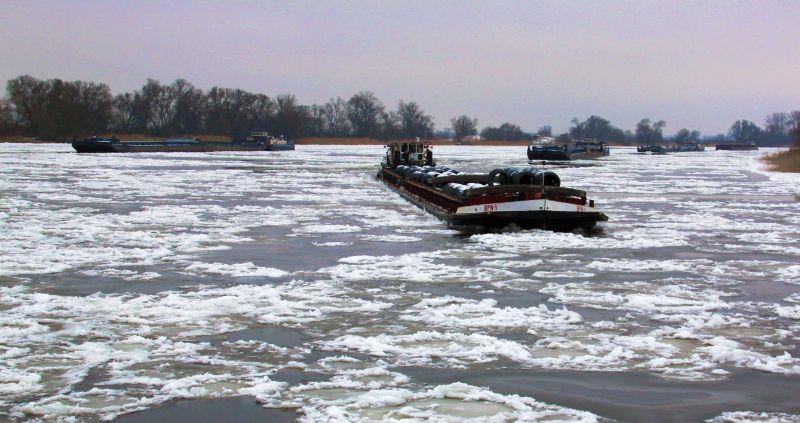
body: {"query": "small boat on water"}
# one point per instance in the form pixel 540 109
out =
pixel 545 148
pixel 526 197
pixel 686 148
pixel 651 149
pixel 737 146
pixel 256 141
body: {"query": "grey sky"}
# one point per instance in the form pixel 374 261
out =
pixel 695 64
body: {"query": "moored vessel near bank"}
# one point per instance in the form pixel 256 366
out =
pixel 737 146
pixel 527 197
pixel 545 148
pixel 686 148
pixel 651 149
pixel 256 141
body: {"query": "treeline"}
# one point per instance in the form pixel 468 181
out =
pixel 57 109
pixel 779 129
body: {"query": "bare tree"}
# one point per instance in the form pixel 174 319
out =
pixel 777 123
pixel 188 107
pixel 313 120
pixel 390 124
pixel 414 121
pixel 7 124
pixel 506 132
pixel 794 124
pixel 28 95
pixel 596 127
pixel 164 109
pixel 463 126
pixel 56 108
pixel 262 113
pixel 288 116
pixel 545 131
pixel 363 110
pixel 684 135
pixel 650 133
pixel 336 121
pixel 745 131
pixel 123 113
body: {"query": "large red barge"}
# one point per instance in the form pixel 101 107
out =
pixel 528 197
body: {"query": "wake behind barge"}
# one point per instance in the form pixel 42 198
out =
pixel 529 198
pixel 256 141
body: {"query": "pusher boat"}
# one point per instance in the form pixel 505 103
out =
pixel 526 197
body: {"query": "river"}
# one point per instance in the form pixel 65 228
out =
pixel 292 285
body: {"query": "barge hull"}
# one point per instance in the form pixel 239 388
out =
pixel 554 156
pixel 563 156
pixel 736 147
pixel 203 147
pixel 551 214
pixel 93 147
pixel 189 148
pixel 553 220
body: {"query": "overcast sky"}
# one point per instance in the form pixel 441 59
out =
pixel 699 65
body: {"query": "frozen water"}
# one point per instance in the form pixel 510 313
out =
pixel 127 281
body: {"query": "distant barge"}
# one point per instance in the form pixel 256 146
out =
pixel 545 148
pixel 529 198
pixel 651 149
pixel 737 146
pixel 689 147
pixel 256 141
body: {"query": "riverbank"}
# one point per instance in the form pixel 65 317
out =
pixel 374 141
pixel 784 161
pixel 299 141
pixel 25 140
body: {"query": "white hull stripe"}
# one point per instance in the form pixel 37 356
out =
pixel 524 206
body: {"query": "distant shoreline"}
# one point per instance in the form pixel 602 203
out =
pixel 299 141
pixel 785 161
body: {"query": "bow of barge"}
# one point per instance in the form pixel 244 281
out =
pixel 528 197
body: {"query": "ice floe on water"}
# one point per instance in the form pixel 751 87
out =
pixel 51 343
pixel 453 402
pixel 753 417
pixel 236 269
pixel 415 267
pixel 531 242
pixel 332 229
pixel 129 281
pixel 390 238
pixel 460 312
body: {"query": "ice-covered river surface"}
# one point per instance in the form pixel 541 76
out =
pixel 174 286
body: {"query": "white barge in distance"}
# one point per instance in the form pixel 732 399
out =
pixel 526 197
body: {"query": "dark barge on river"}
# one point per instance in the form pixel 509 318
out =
pixel 687 147
pixel 545 148
pixel 651 149
pixel 527 197
pixel 256 141
pixel 737 146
